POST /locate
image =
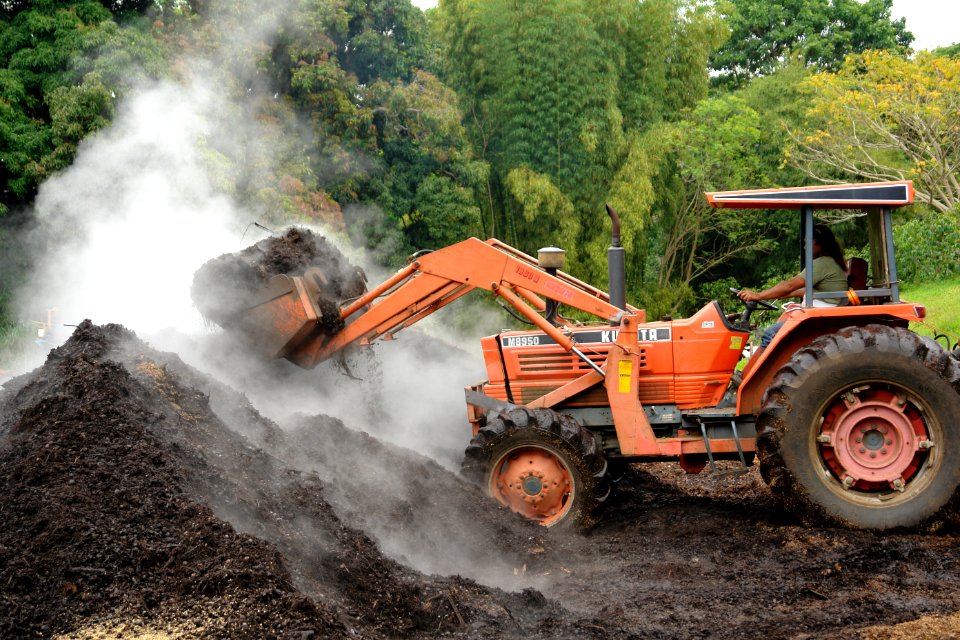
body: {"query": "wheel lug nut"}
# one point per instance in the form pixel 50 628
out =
pixel 883 451
pixel 859 439
pixel 889 442
pixel 863 450
pixel 873 454
pixel 884 430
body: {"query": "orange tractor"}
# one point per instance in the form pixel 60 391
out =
pixel 852 415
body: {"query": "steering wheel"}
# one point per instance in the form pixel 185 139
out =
pixel 763 304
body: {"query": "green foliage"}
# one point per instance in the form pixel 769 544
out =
pixel 550 216
pixel 780 103
pixel 951 51
pixel 429 178
pixel 381 39
pixel 495 117
pixel 659 49
pixel 558 96
pixel 14 267
pixel 62 65
pixel 722 144
pixel 712 151
pixel 928 247
pixel 665 301
pixel 719 290
pixel 765 35
pixel 632 191
pixel 76 111
pixel 14 336
pixel 443 214
pixel 942 300
pixel 885 117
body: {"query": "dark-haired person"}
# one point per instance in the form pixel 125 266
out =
pixel 829 274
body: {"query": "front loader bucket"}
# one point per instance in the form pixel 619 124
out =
pixel 281 316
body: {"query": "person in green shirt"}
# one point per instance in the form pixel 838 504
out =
pixel 829 274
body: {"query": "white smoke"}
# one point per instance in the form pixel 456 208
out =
pixel 130 222
pixel 120 233
pixel 127 224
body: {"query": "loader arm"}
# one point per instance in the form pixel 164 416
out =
pixel 428 283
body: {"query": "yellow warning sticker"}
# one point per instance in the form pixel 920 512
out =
pixel 626 373
pixel 736 342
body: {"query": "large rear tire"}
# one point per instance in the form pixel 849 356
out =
pixel 860 429
pixel 542 465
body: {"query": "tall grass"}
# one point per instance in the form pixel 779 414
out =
pixel 14 336
pixel 14 340
pixel 942 300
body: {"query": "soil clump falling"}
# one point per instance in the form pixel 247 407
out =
pixel 222 287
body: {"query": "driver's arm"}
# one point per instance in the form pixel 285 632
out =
pixel 785 289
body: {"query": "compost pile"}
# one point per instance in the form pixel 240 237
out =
pixel 140 497
pixel 222 287
pixel 130 506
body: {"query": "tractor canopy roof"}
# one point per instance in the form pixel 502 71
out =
pixel 838 196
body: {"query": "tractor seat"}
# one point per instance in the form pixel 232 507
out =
pixel 857 274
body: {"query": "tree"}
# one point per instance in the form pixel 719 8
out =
pixel 549 215
pixel 951 51
pixel 765 35
pixel 541 100
pixel 62 66
pixel 886 117
pixel 713 151
pixel 383 39
pixel 658 49
pixel 556 95
pixel 429 175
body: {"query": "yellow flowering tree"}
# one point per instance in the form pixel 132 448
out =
pixel 885 117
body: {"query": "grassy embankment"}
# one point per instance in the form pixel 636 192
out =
pixel 942 300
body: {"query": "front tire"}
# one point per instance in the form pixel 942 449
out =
pixel 859 430
pixel 542 465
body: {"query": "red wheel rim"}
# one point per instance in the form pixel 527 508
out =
pixel 873 438
pixel 534 482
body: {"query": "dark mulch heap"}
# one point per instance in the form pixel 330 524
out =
pixel 129 504
pixel 125 497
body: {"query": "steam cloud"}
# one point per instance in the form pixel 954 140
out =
pixel 118 237
pixel 126 225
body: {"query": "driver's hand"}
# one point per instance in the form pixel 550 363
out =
pixel 748 296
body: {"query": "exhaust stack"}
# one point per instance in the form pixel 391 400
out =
pixel 616 264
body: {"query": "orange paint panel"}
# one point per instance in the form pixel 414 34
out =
pixel 702 344
pixel 690 446
pixel 655 389
pixel 491 359
pixel 702 390
pixel 496 391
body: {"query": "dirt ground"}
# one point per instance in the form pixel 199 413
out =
pixel 133 508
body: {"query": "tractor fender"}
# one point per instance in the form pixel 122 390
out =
pixel 800 329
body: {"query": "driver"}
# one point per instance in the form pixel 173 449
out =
pixel 829 274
